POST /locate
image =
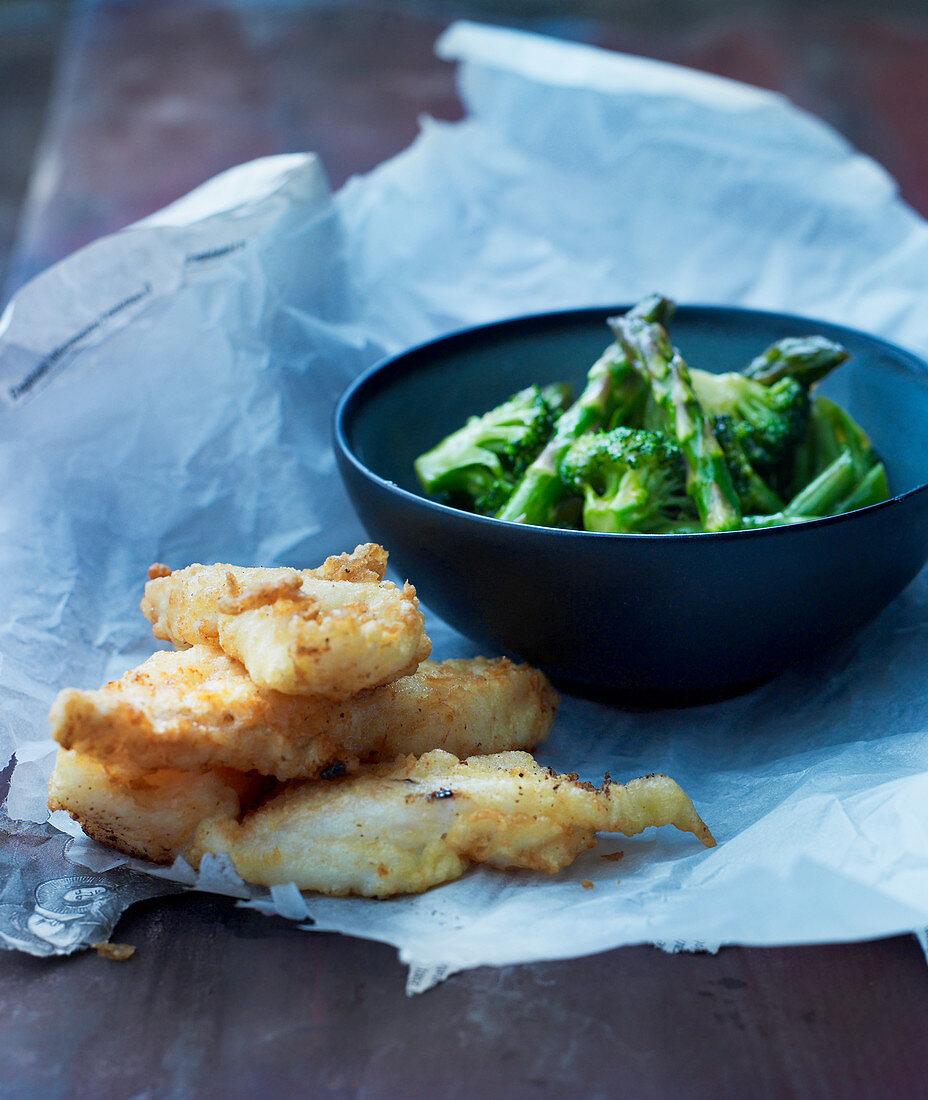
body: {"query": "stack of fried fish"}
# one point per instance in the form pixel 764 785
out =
pixel 301 730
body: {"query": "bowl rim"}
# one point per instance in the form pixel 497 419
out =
pixel 350 397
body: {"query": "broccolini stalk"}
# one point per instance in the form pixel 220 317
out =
pixel 614 393
pixel 823 495
pixel 828 495
pixel 871 489
pixel 838 430
pixel 707 475
pixel 806 358
pixel 831 431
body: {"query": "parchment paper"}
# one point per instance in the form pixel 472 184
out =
pixel 168 397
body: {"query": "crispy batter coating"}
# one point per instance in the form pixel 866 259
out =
pixel 277 736
pixel 394 828
pixel 367 562
pixel 197 709
pixel 407 826
pixel 153 815
pixel 332 631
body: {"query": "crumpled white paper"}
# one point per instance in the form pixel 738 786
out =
pixel 169 392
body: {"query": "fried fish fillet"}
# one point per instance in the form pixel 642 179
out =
pixel 153 815
pixel 395 828
pixel 332 631
pixel 197 709
pixel 407 826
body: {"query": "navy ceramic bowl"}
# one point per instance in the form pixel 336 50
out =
pixel 665 614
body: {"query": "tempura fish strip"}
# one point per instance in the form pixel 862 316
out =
pixel 166 609
pixel 153 815
pixel 413 824
pixel 197 709
pixel 296 631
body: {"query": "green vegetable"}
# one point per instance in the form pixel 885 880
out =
pixel 769 422
pixel 614 394
pixel 832 432
pixel 477 467
pixel 822 496
pixel 870 489
pixel 708 479
pixel 807 359
pixel 654 446
pixel 630 481
pixel 754 494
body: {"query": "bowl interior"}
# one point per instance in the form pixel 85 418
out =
pixel 408 405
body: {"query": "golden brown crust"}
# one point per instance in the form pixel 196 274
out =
pixel 296 631
pixel 409 825
pixel 197 709
pixel 367 562
pixel 151 815
pixel 238 599
pixel 401 827
pixel 303 734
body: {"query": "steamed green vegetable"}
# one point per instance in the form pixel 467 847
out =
pixel 683 419
pixel 478 466
pixel 614 394
pixel 630 480
pixel 653 445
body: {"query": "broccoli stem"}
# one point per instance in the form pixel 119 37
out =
pixel 823 495
pixel 614 390
pixel 871 489
pixel 708 479
pixel 806 358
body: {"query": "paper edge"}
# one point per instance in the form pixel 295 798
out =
pixel 581 65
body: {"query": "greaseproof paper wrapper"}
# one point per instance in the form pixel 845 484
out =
pixel 169 393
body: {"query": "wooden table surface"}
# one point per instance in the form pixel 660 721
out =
pixel 151 99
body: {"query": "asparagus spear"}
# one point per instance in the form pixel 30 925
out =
pixel 708 478
pixel 614 391
pixel 806 358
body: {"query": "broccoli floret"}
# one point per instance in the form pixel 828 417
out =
pixel 630 480
pixel 477 467
pixel 768 422
pixel 754 494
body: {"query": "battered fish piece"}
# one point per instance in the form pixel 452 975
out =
pixel 410 825
pixel 198 709
pixel 332 631
pixel 152 815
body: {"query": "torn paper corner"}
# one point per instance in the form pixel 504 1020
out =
pixel 687 946
pixel 425 976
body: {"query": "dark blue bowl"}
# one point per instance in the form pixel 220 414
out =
pixel 665 614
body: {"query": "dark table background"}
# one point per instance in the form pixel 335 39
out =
pixel 107 112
